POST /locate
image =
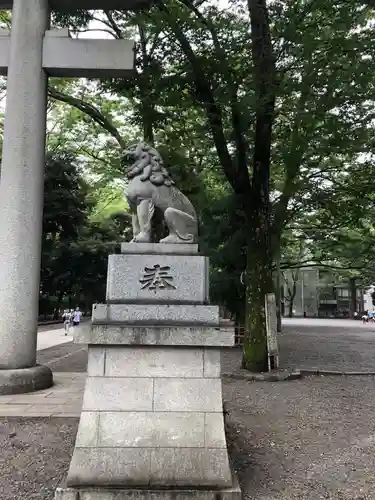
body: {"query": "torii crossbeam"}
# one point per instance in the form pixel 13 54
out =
pixel 29 55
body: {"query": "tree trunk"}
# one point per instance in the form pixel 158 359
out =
pixel 258 284
pixel 353 297
pixel 291 299
pixel 290 308
pixel 278 292
pixel 259 252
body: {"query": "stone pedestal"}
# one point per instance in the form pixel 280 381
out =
pixel 152 418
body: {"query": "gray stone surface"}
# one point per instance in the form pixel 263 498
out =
pixel 187 281
pixel 118 394
pixel 87 434
pixel 214 436
pixel 151 429
pixel 64 56
pixel 21 187
pixel 109 467
pixel 173 394
pixel 71 5
pixel 151 189
pixel 156 314
pixel 148 335
pixel 132 361
pixel 159 248
pixel 153 467
pixel 189 466
pixel 25 380
pixel 211 365
pixel 4 51
pixel 96 361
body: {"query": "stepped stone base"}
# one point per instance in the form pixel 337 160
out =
pixel 209 336
pixel 152 424
pixel 155 314
pixel 159 248
pixel 231 493
pixel 152 417
pixel 23 380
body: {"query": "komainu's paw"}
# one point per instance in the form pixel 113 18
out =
pixel 142 238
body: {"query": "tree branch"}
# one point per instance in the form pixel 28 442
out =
pixel 113 24
pixel 89 110
pixel 237 120
pixel 212 107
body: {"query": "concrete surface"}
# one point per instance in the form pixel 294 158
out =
pixel 64 398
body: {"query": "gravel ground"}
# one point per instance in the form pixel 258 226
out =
pixel 309 439
pixel 35 455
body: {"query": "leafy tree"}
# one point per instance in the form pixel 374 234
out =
pixel 74 249
pixel 318 77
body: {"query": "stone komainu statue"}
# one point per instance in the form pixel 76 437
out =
pixel 151 189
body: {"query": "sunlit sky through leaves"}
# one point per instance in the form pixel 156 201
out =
pixel 95 26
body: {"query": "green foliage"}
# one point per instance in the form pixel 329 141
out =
pixel 74 249
pixel 322 172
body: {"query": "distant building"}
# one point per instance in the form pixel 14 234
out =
pixel 318 293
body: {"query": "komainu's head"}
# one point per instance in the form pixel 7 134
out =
pixel 143 160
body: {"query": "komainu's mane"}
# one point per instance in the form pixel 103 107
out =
pixel 148 165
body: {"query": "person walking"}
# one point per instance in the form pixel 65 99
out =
pixel 67 317
pixel 77 317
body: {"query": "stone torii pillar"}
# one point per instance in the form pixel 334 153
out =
pixel 29 55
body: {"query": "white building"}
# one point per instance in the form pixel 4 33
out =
pixel 318 292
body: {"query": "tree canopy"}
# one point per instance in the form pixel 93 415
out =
pixel 264 114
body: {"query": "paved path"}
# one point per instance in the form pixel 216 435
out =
pixel 52 335
pixel 304 343
pixel 321 344
pixel 64 399
pixel 342 345
pixel 50 338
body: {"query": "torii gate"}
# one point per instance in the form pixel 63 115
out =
pixel 29 55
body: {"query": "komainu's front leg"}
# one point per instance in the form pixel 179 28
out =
pixel 145 212
pixel 135 226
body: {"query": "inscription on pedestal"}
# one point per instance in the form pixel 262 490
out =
pixel 157 277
